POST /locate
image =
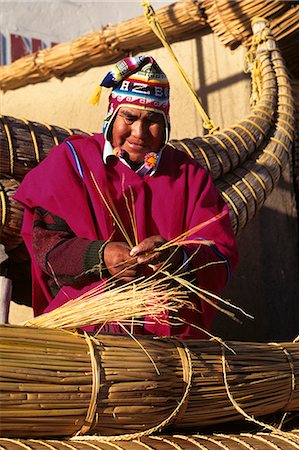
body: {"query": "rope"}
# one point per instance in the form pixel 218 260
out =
pixel 52 131
pixel 292 369
pixel 92 409
pixel 153 22
pixel 3 204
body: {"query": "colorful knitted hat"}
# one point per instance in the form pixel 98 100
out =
pixel 137 82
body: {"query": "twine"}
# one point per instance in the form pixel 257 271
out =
pixel 52 131
pixel 3 205
pixel 92 408
pixel 292 369
pixel 247 132
pixel 204 155
pixel 232 143
pixel 223 146
pixel 234 131
pixel 167 441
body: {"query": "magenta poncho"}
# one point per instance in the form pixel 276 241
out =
pixel 177 197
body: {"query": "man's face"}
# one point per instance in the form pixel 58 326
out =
pixel 138 132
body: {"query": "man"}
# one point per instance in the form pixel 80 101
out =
pixel 99 206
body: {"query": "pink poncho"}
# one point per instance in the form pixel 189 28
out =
pixel 179 196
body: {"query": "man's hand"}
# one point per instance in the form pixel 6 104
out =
pixel 119 262
pixel 147 253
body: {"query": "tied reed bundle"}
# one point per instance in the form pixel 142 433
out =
pixel 11 215
pixel 24 144
pixel 56 383
pixel 241 441
pixel 231 20
pixel 107 45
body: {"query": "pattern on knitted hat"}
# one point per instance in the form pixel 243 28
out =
pixel 137 82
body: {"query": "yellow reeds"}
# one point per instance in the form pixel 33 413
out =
pixel 113 303
pixel 48 383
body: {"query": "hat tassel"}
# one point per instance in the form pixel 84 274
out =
pixel 95 98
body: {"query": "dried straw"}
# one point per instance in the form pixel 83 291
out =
pixel 180 21
pixel 50 380
pixel 126 304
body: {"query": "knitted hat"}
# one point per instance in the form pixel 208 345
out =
pixel 137 82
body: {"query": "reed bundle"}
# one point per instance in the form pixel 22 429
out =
pixel 231 21
pixel 11 215
pixel 24 144
pixel 251 441
pixel 56 383
pixel 107 45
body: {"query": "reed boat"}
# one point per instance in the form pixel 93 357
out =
pixel 47 394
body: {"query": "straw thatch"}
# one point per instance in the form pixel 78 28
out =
pixel 245 160
pixel 56 383
pixel 250 441
pixel 107 45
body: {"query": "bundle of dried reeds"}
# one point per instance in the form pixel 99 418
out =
pixel 24 144
pixel 109 44
pixel 11 215
pixel 56 383
pixel 231 21
pixel 241 441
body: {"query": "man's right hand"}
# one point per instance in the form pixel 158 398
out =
pixel 118 261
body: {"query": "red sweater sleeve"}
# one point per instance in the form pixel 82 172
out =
pixel 66 258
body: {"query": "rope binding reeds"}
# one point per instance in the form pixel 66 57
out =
pixel 61 384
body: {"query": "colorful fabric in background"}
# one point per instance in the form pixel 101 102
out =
pixel 137 82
